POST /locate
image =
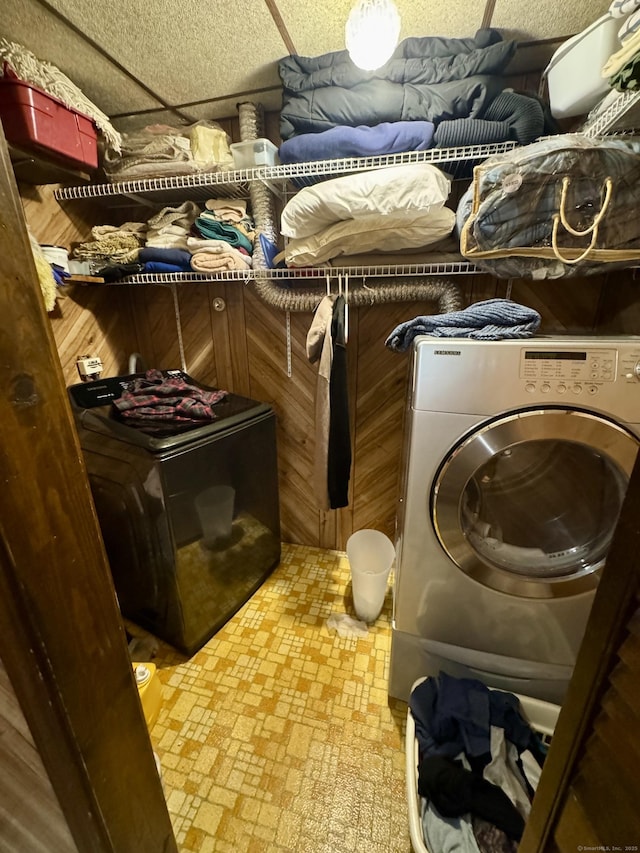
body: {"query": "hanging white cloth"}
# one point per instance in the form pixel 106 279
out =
pixel 320 349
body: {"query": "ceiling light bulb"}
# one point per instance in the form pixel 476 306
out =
pixel 371 32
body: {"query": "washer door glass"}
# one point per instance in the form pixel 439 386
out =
pixel 528 504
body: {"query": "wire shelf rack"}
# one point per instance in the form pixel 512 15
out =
pixel 282 180
pixel 235 184
pixel 443 267
pixel 176 187
pixel 436 268
pixel 622 114
pixel 453 160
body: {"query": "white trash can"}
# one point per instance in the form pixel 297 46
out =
pixel 371 555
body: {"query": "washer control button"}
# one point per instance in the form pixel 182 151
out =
pixel 592 389
pixel 545 387
pixel 530 387
pixel 561 389
pixel 636 372
pixel 577 389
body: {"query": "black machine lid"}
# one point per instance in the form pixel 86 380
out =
pixel 92 405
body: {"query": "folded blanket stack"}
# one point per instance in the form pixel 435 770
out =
pixel 175 240
pixel 208 226
pixel 390 137
pixel 170 228
pixel 147 260
pixel 164 260
pixel 400 207
pixel 215 255
pixel 433 92
pixel 222 237
pixel 508 116
pixel 159 150
pixel 430 79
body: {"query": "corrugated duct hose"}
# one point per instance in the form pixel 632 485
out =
pixel 279 294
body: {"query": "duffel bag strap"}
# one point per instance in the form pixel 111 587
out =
pixel 556 250
pixel 608 190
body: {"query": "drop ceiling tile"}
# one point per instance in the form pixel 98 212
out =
pixel 29 24
pixel 546 18
pixel 313 30
pixel 452 18
pixel 186 52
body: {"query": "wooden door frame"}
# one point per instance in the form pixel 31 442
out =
pixel 615 601
pixel 62 640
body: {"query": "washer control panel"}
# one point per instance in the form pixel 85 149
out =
pixel 567 372
pixel 593 372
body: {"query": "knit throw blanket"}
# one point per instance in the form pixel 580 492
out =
pixel 491 320
pixel 156 397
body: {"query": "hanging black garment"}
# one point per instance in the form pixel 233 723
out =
pixel 339 461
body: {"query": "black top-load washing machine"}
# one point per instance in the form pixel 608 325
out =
pixel 189 513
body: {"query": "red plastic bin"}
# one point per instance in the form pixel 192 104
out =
pixel 36 121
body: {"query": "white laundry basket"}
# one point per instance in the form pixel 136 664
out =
pixel 541 716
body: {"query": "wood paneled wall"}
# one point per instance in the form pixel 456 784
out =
pixel 243 348
pixel 86 320
pixel 30 815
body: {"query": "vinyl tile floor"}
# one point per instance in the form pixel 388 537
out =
pixel 279 734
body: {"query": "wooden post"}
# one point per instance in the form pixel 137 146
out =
pixel 62 640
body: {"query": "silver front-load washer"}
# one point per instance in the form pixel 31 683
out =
pixel 517 458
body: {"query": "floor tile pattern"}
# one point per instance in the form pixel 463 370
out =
pixel 279 735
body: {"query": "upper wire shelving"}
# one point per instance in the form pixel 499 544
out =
pixel 622 114
pixel 284 180
pixel 235 184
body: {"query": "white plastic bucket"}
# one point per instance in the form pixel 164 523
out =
pixel 371 555
pixel 57 255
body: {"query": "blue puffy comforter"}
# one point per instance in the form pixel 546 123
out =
pixel 427 79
